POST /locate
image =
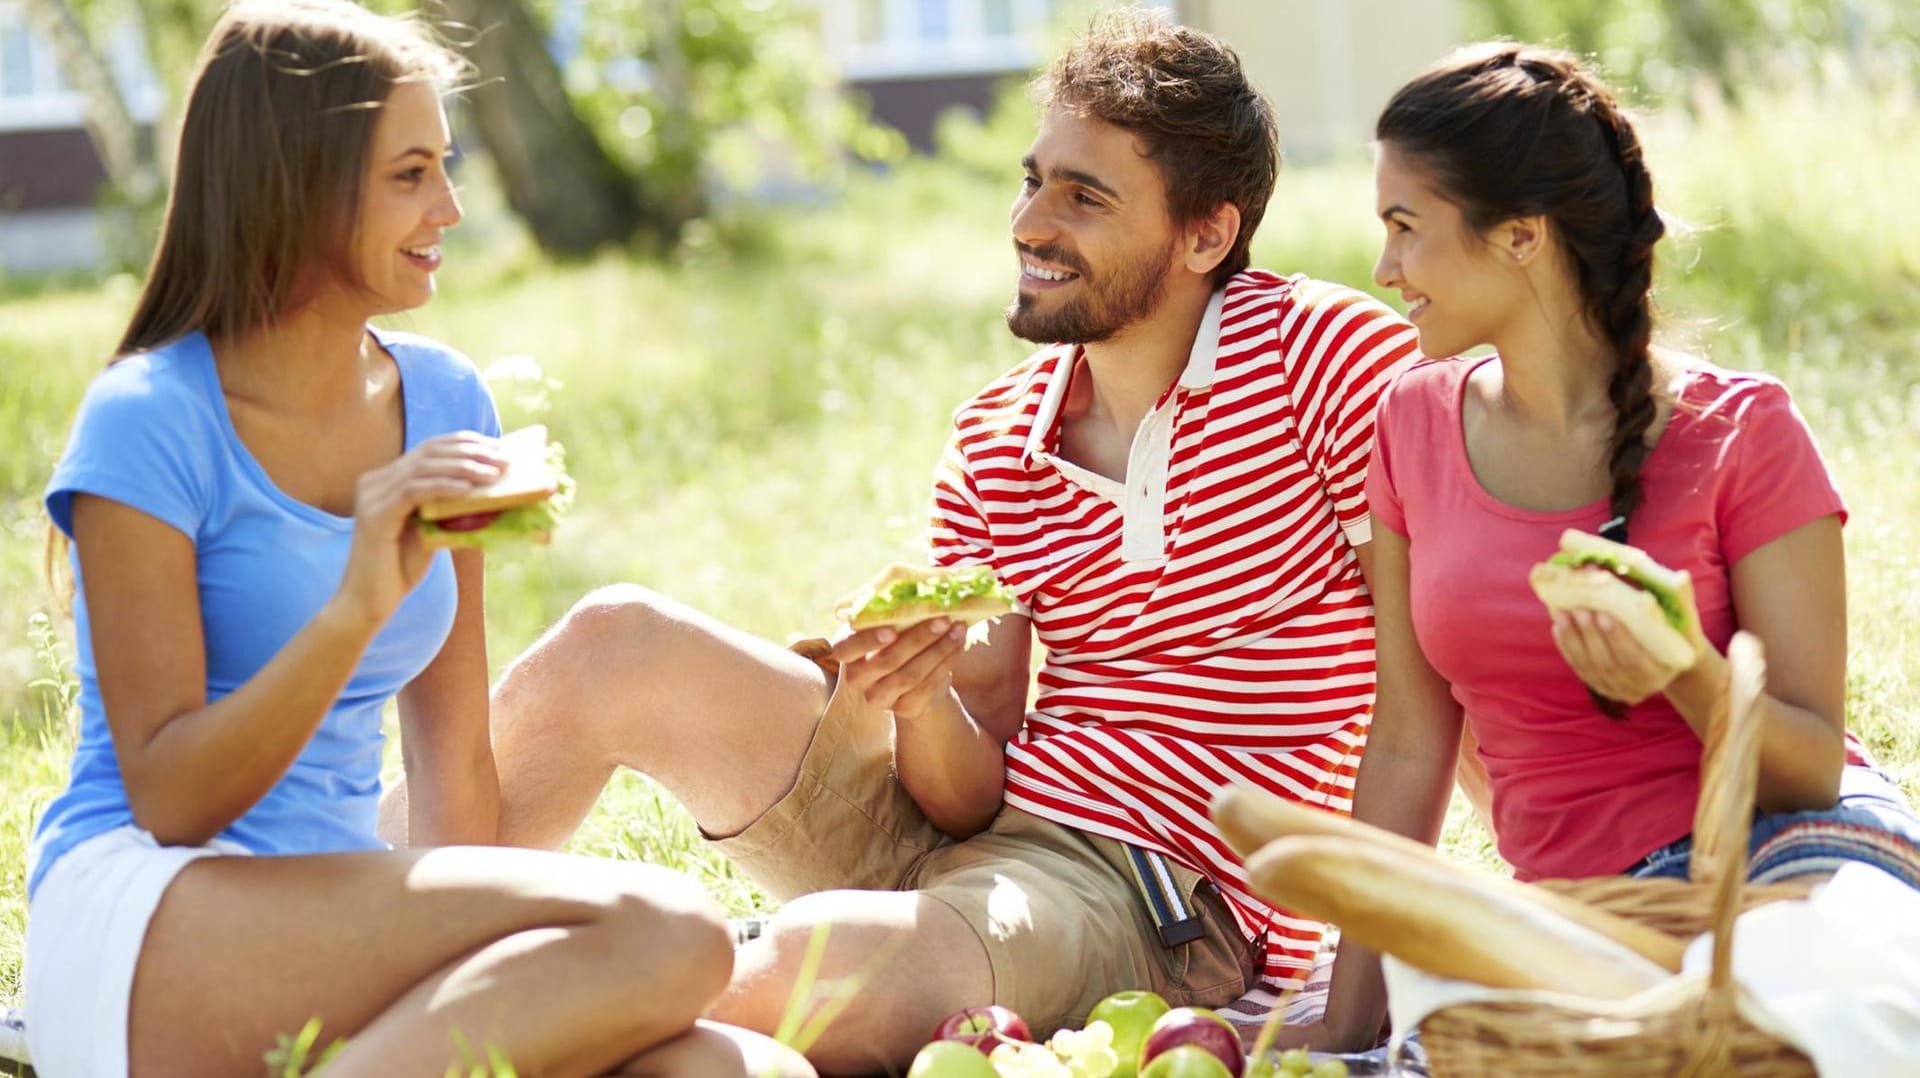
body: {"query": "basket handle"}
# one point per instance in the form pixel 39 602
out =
pixel 1724 819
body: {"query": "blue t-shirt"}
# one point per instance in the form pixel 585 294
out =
pixel 153 433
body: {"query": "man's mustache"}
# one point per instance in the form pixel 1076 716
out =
pixel 1059 256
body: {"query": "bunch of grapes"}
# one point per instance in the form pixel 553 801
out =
pixel 1295 1063
pixel 1083 1053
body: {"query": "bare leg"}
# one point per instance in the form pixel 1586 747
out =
pixel 632 679
pixel 711 1050
pixel 566 965
pixel 919 961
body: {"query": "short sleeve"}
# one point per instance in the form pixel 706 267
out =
pixel 1777 480
pixel 958 533
pixel 1383 495
pixel 1344 349
pixel 133 442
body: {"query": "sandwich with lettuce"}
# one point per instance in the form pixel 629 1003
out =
pixel 906 594
pixel 524 504
pixel 1652 602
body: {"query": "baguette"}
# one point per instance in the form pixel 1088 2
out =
pixel 1250 818
pixel 1446 921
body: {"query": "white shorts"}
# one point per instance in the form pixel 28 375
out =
pixel 85 928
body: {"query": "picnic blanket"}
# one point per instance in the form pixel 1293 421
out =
pixel 13 1036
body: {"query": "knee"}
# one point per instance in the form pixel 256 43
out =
pixel 672 934
pixel 609 624
pixel 609 638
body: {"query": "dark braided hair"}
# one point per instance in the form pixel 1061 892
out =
pixel 1508 131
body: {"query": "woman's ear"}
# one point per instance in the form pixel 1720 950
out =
pixel 1520 240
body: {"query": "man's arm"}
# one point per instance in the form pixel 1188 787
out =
pixel 954 710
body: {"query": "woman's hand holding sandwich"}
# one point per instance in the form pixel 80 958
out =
pixel 387 557
pixel 1627 625
pixel 1629 628
pixel 1607 654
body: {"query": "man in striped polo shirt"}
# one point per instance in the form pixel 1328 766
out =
pixel 1173 485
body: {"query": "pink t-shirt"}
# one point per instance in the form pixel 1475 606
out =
pixel 1575 793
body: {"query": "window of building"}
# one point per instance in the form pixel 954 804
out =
pixel 935 21
pixel 996 18
pixel 16 62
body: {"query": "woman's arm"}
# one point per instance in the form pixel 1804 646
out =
pixel 1405 780
pixel 191 767
pixel 1792 594
pixel 453 786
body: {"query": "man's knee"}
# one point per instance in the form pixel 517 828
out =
pixel 601 645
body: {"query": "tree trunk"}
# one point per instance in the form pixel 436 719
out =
pixel 557 176
pixel 675 133
pixel 127 158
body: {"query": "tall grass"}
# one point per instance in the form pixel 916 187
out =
pixel 753 424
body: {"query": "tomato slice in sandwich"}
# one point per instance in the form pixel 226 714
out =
pixel 471 522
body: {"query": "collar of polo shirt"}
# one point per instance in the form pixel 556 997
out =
pixel 1197 374
pixel 1142 496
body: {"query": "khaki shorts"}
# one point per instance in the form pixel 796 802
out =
pixel 1057 909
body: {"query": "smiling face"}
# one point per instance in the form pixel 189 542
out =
pixel 406 201
pixel 1091 230
pixel 1458 288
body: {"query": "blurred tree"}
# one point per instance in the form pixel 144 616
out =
pixel 556 174
pixel 696 96
pixel 126 153
pixel 607 121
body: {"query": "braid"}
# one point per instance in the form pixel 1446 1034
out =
pixel 1626 314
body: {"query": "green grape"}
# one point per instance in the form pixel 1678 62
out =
pixel 1330 1068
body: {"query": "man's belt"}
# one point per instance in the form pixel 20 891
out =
pixel 1178 922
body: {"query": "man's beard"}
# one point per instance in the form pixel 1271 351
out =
pixel 1104 306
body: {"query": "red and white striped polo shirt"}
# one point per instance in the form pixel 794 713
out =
pixel 1206 621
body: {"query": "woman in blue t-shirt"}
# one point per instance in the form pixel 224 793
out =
pixel 250 592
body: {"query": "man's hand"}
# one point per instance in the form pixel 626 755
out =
pixel 904 670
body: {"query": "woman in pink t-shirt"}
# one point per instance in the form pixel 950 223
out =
pixel 1519 214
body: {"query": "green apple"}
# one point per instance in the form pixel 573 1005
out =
pixel 1186 1061
pixel 1132 1014
pixel 951 1059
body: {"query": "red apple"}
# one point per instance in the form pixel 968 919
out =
pixel 950 1059
pixel 983 1027
pixel 1132 1014
pixel 1198 1027
pixel 1186 1061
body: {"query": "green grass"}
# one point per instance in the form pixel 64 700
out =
pixel 753 425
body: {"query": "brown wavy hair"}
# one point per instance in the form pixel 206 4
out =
pixel 1184 95
pixel 1507 130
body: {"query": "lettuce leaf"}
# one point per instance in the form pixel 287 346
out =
pixel 1669 602
pixel 522 522
pixel 946 590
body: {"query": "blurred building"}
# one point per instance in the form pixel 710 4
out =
pixel 1328 65
pixel 51 179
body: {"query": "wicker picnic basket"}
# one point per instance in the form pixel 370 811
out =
pixel 1689 1026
